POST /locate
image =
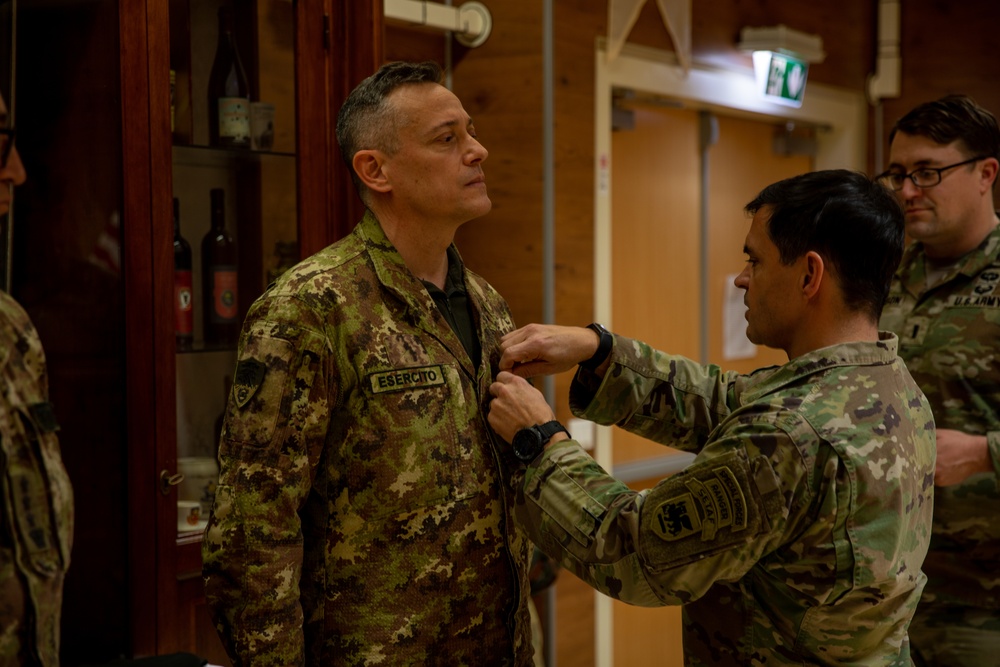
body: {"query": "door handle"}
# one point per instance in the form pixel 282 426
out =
pixel 167 480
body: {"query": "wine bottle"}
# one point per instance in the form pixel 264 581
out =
pixel 183 288
pixel 219 262
pixel 228 91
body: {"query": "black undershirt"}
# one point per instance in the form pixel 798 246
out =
pixel 453 302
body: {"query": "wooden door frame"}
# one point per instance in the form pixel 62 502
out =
pixel 842 113
pixel 146 163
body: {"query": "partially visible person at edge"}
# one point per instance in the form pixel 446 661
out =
pixel 363 513
pixel 36 521
pixel 945 307
pixel 796 535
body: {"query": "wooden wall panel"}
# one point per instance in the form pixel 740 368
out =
pixel 946 47
pixel 500 85
pixel 575 26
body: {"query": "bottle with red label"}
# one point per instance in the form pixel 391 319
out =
pixel 183 287
pixel 219 264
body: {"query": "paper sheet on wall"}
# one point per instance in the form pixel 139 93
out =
pixel 735 344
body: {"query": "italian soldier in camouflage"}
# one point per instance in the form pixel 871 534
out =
pixel 36 527
pixel 797 533
pixel 36 513
pixel 364 510
pixel 945 307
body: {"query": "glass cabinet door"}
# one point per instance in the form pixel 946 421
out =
pixel 234 176
pixel 247 181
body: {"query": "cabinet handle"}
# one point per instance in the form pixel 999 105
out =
pixel 167 480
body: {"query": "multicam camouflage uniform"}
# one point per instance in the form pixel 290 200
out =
pixel 362 515
pixel 950 339
pixel 795 536
pixel 36 523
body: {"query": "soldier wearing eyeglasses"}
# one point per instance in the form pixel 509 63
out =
pixel 36 508
pixel 945 307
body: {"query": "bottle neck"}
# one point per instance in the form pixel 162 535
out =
pixel 218 209
pixel 225 29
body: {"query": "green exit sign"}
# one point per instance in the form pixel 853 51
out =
pixel 785 80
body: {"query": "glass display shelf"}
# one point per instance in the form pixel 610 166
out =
pixel 211 156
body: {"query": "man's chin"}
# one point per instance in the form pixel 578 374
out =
pixel 480 209
pixel 918 229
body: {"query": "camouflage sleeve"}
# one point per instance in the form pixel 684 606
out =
pixel 663 546
pixel 664 398
pixel 993 445
pixel 275 428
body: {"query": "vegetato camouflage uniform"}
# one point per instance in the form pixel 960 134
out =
pixel 950 339
pixel 795 536
pixel 362 515
pixel 36 524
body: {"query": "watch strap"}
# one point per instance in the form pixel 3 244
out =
pixel 549 429
pixel 603 347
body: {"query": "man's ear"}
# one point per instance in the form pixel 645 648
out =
pixel 990 166
pixel 812 276
pixel 369 165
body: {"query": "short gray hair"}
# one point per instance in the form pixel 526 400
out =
pixel 368 121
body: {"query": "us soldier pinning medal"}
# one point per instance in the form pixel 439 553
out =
pixel 796 535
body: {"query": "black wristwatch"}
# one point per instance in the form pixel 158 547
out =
pixel 529 442
pixel 603 348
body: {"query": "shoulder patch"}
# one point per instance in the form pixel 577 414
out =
pixel 677 518
pixel 44 416
pixel 247 380
pixel 711 506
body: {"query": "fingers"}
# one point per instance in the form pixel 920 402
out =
pixel 542 349
pixel 518 347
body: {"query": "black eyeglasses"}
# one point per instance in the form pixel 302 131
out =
pixel 6 145
pixel 925 177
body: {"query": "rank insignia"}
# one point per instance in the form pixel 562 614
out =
pixel 986 282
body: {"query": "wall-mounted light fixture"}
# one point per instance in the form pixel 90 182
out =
pixel 781 58
pixel 471 23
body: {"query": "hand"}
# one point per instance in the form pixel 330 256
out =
pixel 960 455
pixel 516 405
pixel 546 349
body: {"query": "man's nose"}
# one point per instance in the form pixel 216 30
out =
pixel 909 190
pixel 477 152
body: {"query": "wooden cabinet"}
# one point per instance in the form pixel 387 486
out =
pixel 93 262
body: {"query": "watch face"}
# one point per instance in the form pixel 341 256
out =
pixel 527 444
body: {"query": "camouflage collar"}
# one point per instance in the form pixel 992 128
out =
pixel 396 277
pixel 859 353
pixel 389 265
pixel 912 271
